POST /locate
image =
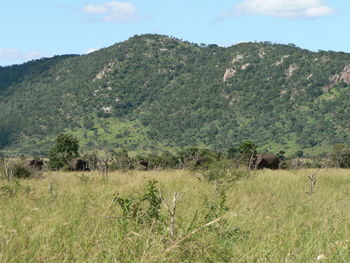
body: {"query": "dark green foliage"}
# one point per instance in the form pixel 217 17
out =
pixel 247 151
pixel 153 91
pixel 20 170
pixel 299 154
pixel 65 149
pixel 281 156
pixel 152 196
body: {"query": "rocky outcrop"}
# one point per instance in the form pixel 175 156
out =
pixel 289 72
pixel 245 66
pixel 107 109
pixel 261 53
pixel 283 58
pixel 108 68
pixel 336 78
pixel 237 58
pixel 229 73
pixel 345 75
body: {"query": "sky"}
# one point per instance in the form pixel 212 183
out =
pixel 43 28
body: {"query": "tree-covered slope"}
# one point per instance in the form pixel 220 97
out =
pixel 153 91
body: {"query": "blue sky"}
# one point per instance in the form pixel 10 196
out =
pixel 43 28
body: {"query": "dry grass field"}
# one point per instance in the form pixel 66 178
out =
pixel 74 217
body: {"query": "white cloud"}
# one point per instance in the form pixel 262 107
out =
pixel 113 11
pixel 90 50
pixel 16 54
pixel 285 8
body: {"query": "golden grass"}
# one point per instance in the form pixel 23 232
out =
pixel 270 219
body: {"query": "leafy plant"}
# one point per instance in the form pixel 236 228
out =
pixel 65 149
pixel 247 151
pixel 142 209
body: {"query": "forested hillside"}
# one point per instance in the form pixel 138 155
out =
pixel 154 92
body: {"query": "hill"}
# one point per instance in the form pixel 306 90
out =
pixel 156 92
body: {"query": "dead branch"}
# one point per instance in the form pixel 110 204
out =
pixel 8 171
pixel 171 210
pixel 312 179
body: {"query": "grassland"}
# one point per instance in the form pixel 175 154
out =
pixel 71 217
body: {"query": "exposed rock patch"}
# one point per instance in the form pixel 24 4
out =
pixel 345 75
pixel 283 58
pixel 336 78
pixel 108 68
pixel 289 72
pixel 283 92
pixel 261 53
pixel 107 109
pixel 237 58
pixel 245 66
pixel 229 73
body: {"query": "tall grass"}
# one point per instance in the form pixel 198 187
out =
pixel 266 218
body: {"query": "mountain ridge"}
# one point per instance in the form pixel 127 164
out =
pixel 155 92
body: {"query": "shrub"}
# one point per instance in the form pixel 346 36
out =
pixel 122 160
pixel 223 171
pixel 340 156
pixel 142 209
pixel 18 169
pixel 246 150
pixel 92 160
pixel 65 149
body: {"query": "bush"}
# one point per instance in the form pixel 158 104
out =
pixel 65 149
pixel 223 171
pixel 18 169
pixel 142 209
pixel 92 160
pixel 122 160
pixel 340 156
pixel 246 150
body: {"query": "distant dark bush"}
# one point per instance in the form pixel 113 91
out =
pixel 286 164
pixel 91 159
pixel 19 169
pixel 122 160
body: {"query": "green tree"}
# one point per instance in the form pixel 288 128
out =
pixel 65 149
pixel 246 150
